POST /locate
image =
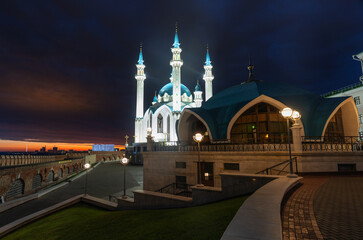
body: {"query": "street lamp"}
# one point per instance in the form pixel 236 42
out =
pixel 295 116
pixel 124 162
pixel 198 137
pixel 86 166
pixel 149 131
pixel 288 113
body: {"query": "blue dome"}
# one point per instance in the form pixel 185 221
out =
pixel 168 88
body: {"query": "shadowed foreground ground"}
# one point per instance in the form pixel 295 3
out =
pixel 325 207
pixel 86 222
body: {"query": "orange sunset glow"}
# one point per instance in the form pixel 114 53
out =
pixel 20 146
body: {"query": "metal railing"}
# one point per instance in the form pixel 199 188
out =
pixel 223 147
pixel 181 189
pixel 278 171
pixel 332 143
pixel 112 198
pixel 309 143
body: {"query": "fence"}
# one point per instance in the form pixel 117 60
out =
pixel 181 189
pixel 332 143
pixel 309 143
pixel 279 168
pixel 223 147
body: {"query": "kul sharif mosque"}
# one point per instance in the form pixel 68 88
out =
pixel 161 117
pixel 244 113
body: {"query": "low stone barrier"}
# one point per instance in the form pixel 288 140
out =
pixel 233 185
pixel 260 215
pixel 153 200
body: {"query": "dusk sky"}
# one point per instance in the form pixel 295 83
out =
pixel 67 67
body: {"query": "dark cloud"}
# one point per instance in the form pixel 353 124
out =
pixel 67 67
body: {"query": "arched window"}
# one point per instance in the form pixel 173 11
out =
pixel 151 120
pixel 37 181
pixel 262 123
pixel 335 130
pixel 192 125
pixel 160 124
pixel 60 173
pixel 16 189
pixel 50 176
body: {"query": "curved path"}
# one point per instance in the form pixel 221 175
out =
pixel 104 180
pixel 325 207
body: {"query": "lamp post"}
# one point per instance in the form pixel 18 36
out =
pixel 86 166
pixel 288 113
pixel 124 162
pixel 126 141
pixel 198 137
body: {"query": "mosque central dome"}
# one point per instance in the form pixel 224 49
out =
pixel 168 88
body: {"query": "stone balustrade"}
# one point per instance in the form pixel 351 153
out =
pixel 19 160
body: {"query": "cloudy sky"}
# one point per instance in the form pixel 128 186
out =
pixel 67 67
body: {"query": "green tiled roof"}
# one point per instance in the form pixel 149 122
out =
pixel 219 110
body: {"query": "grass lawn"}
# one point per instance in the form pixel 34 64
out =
pixel 86 222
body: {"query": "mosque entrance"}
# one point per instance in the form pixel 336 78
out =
pixel 207 174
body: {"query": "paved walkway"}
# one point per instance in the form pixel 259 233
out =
pixel 104 180
pixel 338 207
pixel 325 207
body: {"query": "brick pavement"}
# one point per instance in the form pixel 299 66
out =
pixel 325 207
pixel 338 207
pixel 298 220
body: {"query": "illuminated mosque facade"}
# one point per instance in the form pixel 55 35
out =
pixel 160 119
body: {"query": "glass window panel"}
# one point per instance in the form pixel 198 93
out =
pixel 261 123
pixel 274 117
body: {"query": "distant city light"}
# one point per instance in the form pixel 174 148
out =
pixel 103 147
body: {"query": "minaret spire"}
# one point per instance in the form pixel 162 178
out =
pixel 198 99
pixel 207 58
pixel 155 99
pixel 140 77
pixel 176 64
pixel 250 69
pixel 176 43
pixel 141 60
pixel 208 76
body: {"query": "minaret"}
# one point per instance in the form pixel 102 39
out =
pixel 198 99
pixel 140 77
pixel 155 99
pixel 171 76
pixel 208 77
pixel 176 64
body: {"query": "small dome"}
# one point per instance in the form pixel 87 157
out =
pixel 168 88
pixel 155 99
